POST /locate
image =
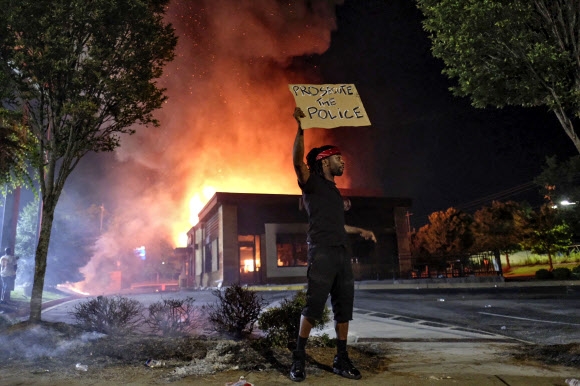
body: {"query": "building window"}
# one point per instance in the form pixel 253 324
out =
pixel 291 249
pixel 211 260
pixel 249 246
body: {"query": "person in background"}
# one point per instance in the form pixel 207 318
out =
pixel 8 269
pixel 329 266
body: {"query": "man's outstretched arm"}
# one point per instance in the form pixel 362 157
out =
pixel 365 234
pixel 300 167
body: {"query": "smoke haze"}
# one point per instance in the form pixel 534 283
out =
pixel 227 124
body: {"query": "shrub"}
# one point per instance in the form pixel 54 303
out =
pixel 172 317
pixel 576 269
pixel 281 324
pixel 543 274
pixel 109 315
pixel 562 273
pixel 236 310
pixel 5 322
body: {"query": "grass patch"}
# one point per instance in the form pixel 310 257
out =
pixel 18 295
pixel 530 270
pixel 526 258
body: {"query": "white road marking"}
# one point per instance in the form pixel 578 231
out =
pixel 529 319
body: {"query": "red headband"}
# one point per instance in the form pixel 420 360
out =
pixel 327 153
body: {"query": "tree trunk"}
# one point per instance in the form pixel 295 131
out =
pixel 48 207
pixel 507 260
pixel 568 127
pixel 550 261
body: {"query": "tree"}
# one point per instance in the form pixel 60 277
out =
pixel 510 52
pixel 448 233
pixel 547 233
pixel 498 228
pixel 82 73
pixel 13 148
pixel 561 182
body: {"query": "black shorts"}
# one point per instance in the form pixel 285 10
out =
pixel 329 272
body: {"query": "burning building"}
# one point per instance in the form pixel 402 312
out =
pixel 251 238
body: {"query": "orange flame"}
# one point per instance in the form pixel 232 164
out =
pixel 276 183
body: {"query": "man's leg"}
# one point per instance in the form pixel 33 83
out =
pixel 297 372
pixel 305 328
pixel 9 287
pixel 3 289
pixel 341 330
pixel 341 338
pixel 342 364
pixel 342 298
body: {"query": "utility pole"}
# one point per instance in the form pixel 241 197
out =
pixel 408 215
pixel 102 207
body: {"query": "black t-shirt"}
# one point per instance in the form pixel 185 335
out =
pixel 325 209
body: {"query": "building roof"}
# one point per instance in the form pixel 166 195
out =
pixel 264 199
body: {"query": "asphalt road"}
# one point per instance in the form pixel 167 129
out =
pixel 546 315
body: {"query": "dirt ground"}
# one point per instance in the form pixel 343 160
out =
pixel 48 354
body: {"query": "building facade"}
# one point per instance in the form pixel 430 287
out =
pixel 261 239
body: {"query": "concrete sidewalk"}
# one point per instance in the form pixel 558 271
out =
pixel 429 353
pixel 426 353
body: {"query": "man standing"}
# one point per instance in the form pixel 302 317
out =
pixel 8 274
pixel 329 266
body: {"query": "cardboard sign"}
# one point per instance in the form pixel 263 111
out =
pixel 329 105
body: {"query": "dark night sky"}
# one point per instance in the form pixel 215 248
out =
pixel 424 143
pixel 430 145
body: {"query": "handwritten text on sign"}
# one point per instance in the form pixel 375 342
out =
pixel 329 105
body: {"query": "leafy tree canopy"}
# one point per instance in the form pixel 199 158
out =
pixel 510 52
pixel 547 233
pixel 560 183
pixel 448 233
pixel 81 73
pixel 499 227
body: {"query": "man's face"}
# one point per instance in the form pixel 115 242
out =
pixel 335 164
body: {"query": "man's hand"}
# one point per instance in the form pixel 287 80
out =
pixel 298 113
pixel 368 235
pixel 365 234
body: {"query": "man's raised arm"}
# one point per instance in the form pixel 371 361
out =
pixel 300 167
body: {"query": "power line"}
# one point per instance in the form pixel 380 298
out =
pixel 502 195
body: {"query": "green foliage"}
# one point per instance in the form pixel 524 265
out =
pixel 561 181
pixel 5 322
pixel 544 274
pixel 498 227
pixel 556 239
pixel 509 52
pixel 109 315
pixel 546 233
pixel 236 310
pixel 173 317
pixel 14 145
pixel 81 73
pixel 281 324
pixel 562 273
pixel 576 269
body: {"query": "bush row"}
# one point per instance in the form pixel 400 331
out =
pixel 561 273
pixel 235 313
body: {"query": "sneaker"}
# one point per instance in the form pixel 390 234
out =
pixel 297 371
pixel 344 367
